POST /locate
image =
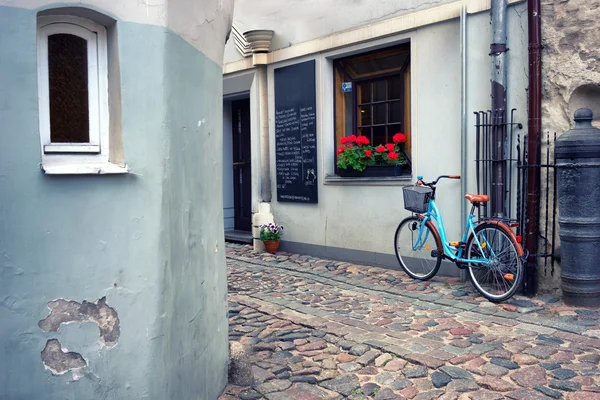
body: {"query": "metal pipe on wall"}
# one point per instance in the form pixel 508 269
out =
pixel 498 51
pixel 534 129
pixel 463 119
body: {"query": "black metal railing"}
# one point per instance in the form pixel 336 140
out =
pixel 501 167
pixel 545 230
pixel 496 165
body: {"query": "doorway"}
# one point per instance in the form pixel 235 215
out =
pixel 242 175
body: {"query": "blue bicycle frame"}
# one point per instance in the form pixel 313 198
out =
pixel 453 253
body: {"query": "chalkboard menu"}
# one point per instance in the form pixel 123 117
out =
pixel 296 133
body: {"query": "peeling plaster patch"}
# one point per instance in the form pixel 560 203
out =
pixel 59 361
pixel 64 312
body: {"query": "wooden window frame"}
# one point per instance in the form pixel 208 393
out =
pixel 95 36
pixel 342 69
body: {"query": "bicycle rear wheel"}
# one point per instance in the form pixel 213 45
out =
pixel 418 248
pixel 500 280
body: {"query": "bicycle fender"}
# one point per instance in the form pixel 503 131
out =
pixel 506 230
pixel 436 235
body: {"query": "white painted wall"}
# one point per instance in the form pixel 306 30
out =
pixel 365 216
pixel 228 201
pixel 296 21
pixel 478 73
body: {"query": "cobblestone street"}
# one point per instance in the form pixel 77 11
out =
pixel 320 329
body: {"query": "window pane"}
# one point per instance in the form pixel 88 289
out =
pixel 68 84
pixel 364 91
pixel 366 132
pixel 379 114
pixel 364 115
pixel 395 112
pixel 379 136
pixel 395 88
pixel 391 62
pixel 395 128
pixel 379 64
pixel 379 91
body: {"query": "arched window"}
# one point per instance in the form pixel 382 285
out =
pixel 73 86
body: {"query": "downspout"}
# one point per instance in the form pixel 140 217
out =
pixel 463 119
pixel 534 129
pixel 499 83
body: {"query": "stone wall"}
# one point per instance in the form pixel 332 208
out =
pixel 570 76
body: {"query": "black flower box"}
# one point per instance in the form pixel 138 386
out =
pixel 373 171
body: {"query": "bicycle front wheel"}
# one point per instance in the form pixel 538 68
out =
pixel 418 248
pixel 500 278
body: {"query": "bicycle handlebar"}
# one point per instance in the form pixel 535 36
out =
pixel 431 184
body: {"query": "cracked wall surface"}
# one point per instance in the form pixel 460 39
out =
pixel 145 241
pixel 64 312
pixel 570 79
pixel 570 58
pixel 60 361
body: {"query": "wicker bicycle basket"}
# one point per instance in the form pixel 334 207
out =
pixel 416 198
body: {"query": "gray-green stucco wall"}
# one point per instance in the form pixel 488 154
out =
pixel 150 241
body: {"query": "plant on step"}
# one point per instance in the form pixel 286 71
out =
pixel 357 153
pixel 270 231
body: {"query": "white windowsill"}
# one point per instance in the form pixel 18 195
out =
pixel 84 169
pixel 71 148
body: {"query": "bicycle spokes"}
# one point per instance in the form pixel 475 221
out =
pixel 497 274
pixel 415 247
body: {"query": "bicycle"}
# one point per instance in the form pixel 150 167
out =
pixel 489 249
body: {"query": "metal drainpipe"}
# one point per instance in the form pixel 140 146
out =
pixel 463 119
pixel 534 128
pixel 499 83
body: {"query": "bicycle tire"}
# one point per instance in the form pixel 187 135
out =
pixel 500 273
pixel 408 263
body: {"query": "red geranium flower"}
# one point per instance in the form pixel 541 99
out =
pixel 350 146
pixel 362 140
pixel 381 149
pixel 351 138
pixel 341 150
pixel 390 147
pixel 368 153
pixel 344 140
pixel 392 155
pixel 399 138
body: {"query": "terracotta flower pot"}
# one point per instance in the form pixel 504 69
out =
pixel 271 246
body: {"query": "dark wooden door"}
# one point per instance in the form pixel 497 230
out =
pixel 242 175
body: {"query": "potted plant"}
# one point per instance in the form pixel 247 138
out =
pixel 270 235
pixel 356 157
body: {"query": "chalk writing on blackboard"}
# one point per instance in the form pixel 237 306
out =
pixel 295 133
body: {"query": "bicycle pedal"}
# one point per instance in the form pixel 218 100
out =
pixel 458 244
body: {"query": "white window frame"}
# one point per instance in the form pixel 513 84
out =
pixel 76 157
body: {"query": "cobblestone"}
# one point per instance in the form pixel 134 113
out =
pixel 322 329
